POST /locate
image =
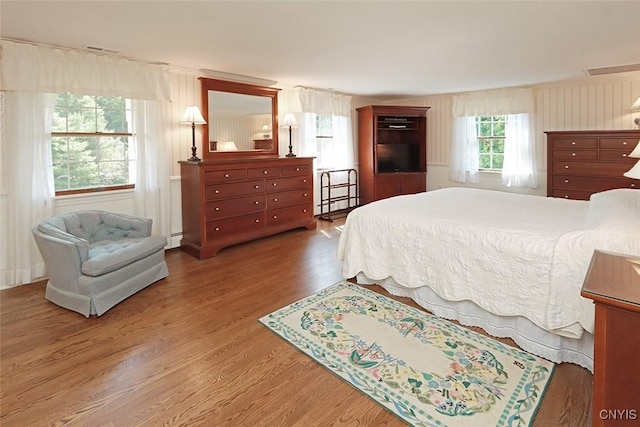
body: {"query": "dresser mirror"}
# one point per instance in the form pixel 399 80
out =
pixel 242 120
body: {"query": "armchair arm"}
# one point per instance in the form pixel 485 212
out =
pixel 63 258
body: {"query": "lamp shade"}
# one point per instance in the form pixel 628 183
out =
pixel 634 172
pixel 290 120
pixel 636 152
pixel 192 115
pixel 227 146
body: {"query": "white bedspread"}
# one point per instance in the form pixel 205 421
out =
pixel 511 254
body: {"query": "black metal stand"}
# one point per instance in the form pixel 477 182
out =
pixel 345 191
pixel 193 158
pixel 290 146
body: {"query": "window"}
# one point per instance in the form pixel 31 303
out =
pixel 324 141
pixel 92 144
pixel 491 136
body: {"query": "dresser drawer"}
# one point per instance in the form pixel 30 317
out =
pixel 224 191
pixel 621 143
pixel 578 143
pixel 288 198
pixel 290 183
pixel 575 155
pixel 571 194
pixel 214 177
pixel 239 224
pixel 277 217
pixel 613 169
pixel 585 183
pixel 232 207
pixel 291 170
pixel 617 155
pixel 264 172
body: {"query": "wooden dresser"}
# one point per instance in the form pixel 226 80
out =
pixel 580 163
pixel 614 285
pixel 225 202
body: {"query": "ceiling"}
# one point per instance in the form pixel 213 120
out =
pixel 382 49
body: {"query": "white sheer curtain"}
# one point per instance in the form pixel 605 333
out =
pixel 519 168
pixel 307 104
pixel 465 162
pixel 30 191
pixel 27 73
pixel 153 151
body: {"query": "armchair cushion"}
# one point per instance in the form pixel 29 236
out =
pixel 106 256
pixel 95 226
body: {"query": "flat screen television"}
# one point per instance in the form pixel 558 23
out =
pixel 398 158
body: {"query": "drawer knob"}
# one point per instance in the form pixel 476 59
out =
pixel 275 184
pixel 633 185
pixel 257 202
pixel 566 166
pixel 624 142
pixel 265 172
pixel 217 208
pixel 573 154
pixel 297 169
pixel 566 180
pixel 257 220
pixel 256 187
pixel 304 181
pixel 217 191
pixel 566 197
pixel 226 175
pixel 624 154
pixel 275 199
pixel 217 228
pixel 304 210
pixel 275 217
pixel 573 143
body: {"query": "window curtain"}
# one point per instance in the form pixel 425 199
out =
pixel 465 162
pixel 28 73
pixel 153 170
pixel 306 104
pixel 519 169
pixel 30 191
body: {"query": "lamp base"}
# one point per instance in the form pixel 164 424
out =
pixel 637 122
pixel 290 155
pixel 194 159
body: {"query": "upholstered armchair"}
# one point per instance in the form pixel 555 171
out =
pixel 96 259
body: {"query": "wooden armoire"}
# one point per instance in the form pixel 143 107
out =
pixel 392 151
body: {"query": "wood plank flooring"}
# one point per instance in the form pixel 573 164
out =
pixel 189 350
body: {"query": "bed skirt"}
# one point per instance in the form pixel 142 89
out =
pixel 525 333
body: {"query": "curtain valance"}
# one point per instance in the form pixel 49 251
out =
pixel 32 68
pixel 493 103
pixel 304 100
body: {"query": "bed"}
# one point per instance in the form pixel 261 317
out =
pixel 511 264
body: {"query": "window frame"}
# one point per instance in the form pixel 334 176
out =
pixel 97 135
pixel 492 138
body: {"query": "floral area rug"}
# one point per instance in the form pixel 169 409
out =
pixel 426 370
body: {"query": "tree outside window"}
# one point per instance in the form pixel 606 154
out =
pixel 490 131
pixel 91 143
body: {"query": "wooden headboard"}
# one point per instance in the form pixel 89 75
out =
pixel 580 163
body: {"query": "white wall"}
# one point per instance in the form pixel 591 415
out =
pixel 591 103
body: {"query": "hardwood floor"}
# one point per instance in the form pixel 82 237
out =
pixel 189 350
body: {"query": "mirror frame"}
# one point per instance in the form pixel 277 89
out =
pixel 208 84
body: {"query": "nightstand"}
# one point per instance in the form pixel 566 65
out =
pixel 614 285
